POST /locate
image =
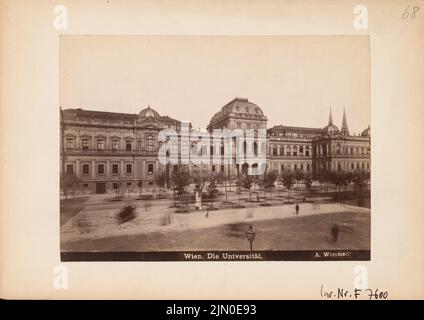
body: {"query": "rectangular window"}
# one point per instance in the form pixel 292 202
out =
pixel 128 168
pixel 85 185
pixel 213 168
pixel 115 168
pixel 128 184
pixel 100 169
pixel 150 143
pixel 150 168
pixel 301 167
pixel 115 145
pixel 69 169
pixel 85 169
pixel 85 144
pixel 69 143
pixel 128 146
pixel 307 167
pixel 222 167
pixel 115 185
pixel 100 145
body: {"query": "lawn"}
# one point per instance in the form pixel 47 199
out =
pixel 296 233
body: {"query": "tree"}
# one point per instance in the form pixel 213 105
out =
pixel 336 179
pixel 201 176
pixel 222 177
pixel 287 178
pixel 324 177
pixel 140 186
pixel 69 181
pixel 212 190
pixel 160 180
pixel 246 183
pixel 360 179
pixel 268 182
pixel 180 180
pixel 308 182
pixel 298 176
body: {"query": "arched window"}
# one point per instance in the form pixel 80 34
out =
pixel 274 150
pixel 281 150
pixel 295 150
pixel 338 148
pixel 307 151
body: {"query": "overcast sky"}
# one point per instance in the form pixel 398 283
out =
pixel 294 79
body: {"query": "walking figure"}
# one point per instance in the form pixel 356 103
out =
pixel 297 209
pixel 335 230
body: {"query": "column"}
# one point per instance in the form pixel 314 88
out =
pixel 143 168
pixel 93 168
pixel 77 168
pixel 135 168
pixel 122 169
pixel 108 169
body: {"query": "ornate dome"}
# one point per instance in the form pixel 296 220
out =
pixel 239 107
pixel 148 113
pixel 366 132
pixel 330 129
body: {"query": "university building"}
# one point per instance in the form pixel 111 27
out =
pixel 104 151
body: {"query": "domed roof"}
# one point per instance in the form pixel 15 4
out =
pixel 330 129
pixel 240 107
pixel 366 132
pixel 148 112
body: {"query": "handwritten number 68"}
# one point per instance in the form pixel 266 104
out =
pixel 410 14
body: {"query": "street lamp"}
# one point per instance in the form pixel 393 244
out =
pixel 250 234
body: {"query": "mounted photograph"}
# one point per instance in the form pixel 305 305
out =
pixel 215 148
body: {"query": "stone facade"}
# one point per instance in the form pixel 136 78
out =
pixel 104 151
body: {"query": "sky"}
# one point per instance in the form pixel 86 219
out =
pixel 295 80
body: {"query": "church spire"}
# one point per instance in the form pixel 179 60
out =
pixel 345 128
pixel 330 118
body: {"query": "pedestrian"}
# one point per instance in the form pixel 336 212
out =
pixel 335 232
pixel 297 209
pixel 257 197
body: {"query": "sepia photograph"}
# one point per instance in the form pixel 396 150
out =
pixel 210 152
pixel 194 148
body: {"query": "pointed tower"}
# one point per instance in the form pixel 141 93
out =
pixel 345 129
pixel 330 118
